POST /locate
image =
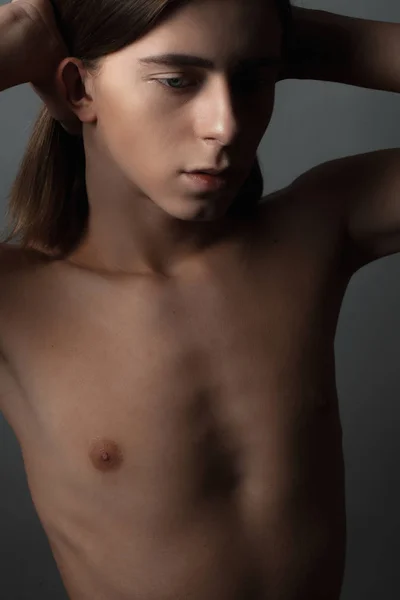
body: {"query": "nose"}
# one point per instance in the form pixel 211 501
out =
pixel 216 118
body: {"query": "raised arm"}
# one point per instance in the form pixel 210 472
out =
pixel 31 50
pixel 365 187
pixel 331 47
pixel 12 61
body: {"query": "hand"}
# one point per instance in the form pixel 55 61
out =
pixel 46 49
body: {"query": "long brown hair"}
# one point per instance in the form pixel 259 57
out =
pixel 48 207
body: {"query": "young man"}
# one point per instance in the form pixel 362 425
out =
pixel 172 384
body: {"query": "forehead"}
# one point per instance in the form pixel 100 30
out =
pixel 223 30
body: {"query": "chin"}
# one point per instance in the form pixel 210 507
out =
pixel 198 211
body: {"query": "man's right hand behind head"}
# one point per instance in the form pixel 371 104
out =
pixel 43 51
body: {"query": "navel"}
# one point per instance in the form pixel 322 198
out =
pixel 105 454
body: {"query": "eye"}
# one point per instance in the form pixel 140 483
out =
pixel 245 84
pixel 171 80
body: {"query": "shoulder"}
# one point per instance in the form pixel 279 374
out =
pixel 306 212
pixel 309 200
pixel 17 266
pixel 19 284
pixel 14 256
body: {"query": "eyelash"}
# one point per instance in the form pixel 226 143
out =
pixel 258 81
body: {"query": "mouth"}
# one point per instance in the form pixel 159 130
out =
pixel 205 181
pixel 214 172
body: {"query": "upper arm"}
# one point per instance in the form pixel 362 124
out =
pixel 365 190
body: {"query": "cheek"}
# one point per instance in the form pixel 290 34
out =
pixel 123 136
pixel 139 129
pixel 137 136
pixel 141 154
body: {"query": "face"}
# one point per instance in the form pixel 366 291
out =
pixel 152 122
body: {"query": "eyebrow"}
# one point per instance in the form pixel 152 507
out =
pixel 180 60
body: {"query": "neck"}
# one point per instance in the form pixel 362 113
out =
pixel 129 234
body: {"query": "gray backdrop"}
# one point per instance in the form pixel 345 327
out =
pixel 313 122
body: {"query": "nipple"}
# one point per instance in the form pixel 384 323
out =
pixel 105 454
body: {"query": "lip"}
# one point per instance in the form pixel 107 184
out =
pixel 212 171
pixel 203 181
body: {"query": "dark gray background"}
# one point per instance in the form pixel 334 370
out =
pixel 313 122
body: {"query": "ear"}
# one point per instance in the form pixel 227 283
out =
pixel 76 87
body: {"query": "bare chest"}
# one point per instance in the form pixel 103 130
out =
pixel 208 406
pixel 173 374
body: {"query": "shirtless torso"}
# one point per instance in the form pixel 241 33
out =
pixel 182 437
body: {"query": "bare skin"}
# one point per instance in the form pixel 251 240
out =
pixel 174 392
pixel 181 436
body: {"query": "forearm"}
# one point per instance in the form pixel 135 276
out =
pixel 12 60
pixel 330 47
